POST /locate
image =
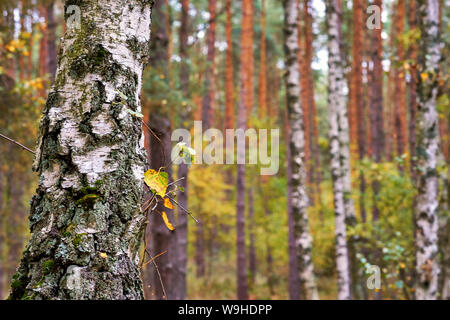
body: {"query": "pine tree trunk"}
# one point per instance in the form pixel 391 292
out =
pixel 339 147
pixel 251 226
pixel 85 218
pixel 229 95
pixel 262 85
pixel 427 268
pixel 246 49
pixel 303 238
pixel 376 106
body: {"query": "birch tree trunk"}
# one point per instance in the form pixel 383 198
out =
pixel 339 147
pixel 427 268
pixel 303 239
pixel 85 217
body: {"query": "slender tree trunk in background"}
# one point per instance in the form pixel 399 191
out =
pixel 376 106
pixel 51 39
pixel 209 72
pixel 22 70
pixel 250 95
pixel 43 48
pixel 309 75
pixel 401 128
pixel 412 19
pixel 389 108
pixel 159 237
pixel 246 54
pixel 262 85
pixel 427 268
pixel 339 146
pixel 251 226
pixel 294 284
pixel 85 218
pixel 182 223
pixel 229 92
pixel 304 94
pixel 303 239
pixel 206 122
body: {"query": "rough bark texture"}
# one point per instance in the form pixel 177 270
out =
pixel 339 147
pixel 85 217
pixel 303 239
pixel 428 149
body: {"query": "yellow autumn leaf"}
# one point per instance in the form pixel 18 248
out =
pixel 103 255
pixel 157 181
pixel 167 203
pixel 166 221
pixel 424 76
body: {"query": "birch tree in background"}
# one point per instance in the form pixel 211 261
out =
pixel 427 268
pixel 339 146
pixel 85 217
pixel 303 239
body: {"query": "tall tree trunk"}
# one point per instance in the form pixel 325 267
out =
pixel 401 129
pixel 339 146
pixel 251 232
pixel 209 72
pixel 51 39
pixel 161 280
pixel 85 218
pixel 376 106
pixel 309 75
pixel 427 268
pixel 294 285
pixel 229 92
pixel 182 228
pixel 262 85
pixel 297 143
pixel 246 49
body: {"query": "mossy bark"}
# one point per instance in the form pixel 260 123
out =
pixel 85 217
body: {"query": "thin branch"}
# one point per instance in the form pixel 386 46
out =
pixel 17 143
pixel 184 209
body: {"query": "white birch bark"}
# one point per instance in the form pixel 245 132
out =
pixel 339 147
pixel 303 239
pixel 85 217
pixel 428 149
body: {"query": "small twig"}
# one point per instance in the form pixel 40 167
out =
pixel 175 181
pixel 154 258
pixel 17 143
pixel 184 209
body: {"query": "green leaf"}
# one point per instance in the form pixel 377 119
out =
pixel 157 181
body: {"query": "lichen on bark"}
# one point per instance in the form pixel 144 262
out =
pixel 85 217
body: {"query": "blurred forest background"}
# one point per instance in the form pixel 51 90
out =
pixel 201 49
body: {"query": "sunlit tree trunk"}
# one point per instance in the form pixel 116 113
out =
pixel 428 150
pixel 303 239
pixel 85 217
